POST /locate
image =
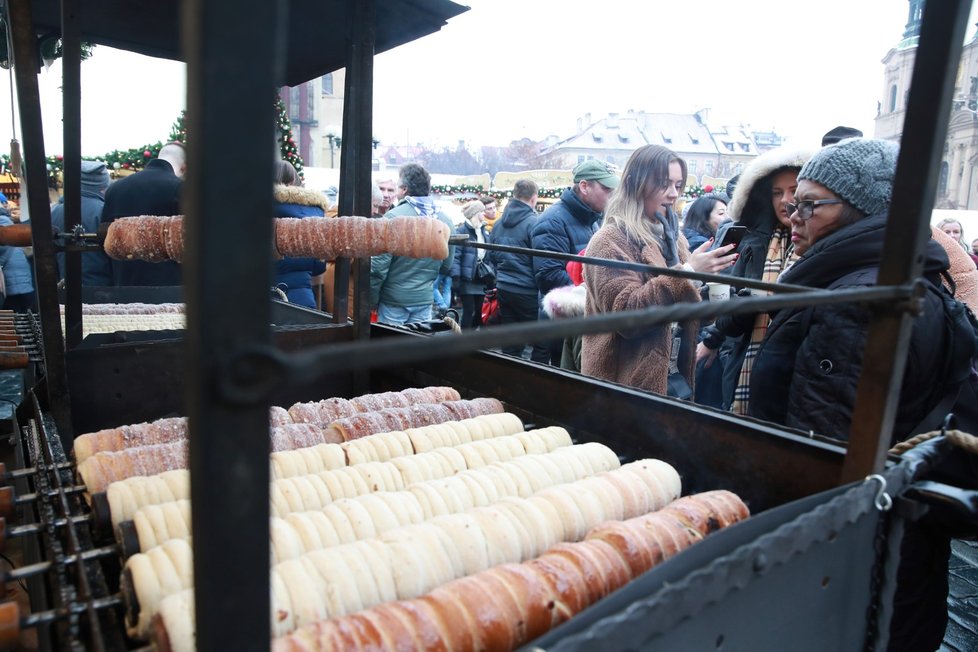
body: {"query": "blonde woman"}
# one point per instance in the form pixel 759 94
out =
pixel 640 225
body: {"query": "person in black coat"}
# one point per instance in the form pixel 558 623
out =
pixel 470 287
pixel 762 192
pixel 808 366
pixel 515 283
pixel 567 227
pixel 155 190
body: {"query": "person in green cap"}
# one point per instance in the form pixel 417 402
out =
pixel 566 228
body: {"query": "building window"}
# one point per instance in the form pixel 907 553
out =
pixel 328 84
pixel 729 146
pixel 666 139
pixel 694 139
pixel 745 147
pixel 580 158
pixel 893 98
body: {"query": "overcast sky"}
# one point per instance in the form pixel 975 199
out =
pixel 509 69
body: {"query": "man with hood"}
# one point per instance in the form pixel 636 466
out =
pixel 567 227
pixel 400 287
pixel 764 189
pixel 96 266
pixel 515 284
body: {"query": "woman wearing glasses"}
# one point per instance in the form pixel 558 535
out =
pixel 641 226
pixel 764 190
pixel 808 366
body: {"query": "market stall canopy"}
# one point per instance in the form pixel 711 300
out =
pixel 317 29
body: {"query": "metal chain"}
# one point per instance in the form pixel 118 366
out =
pixel 876 582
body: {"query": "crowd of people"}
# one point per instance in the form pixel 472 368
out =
pixel 809 217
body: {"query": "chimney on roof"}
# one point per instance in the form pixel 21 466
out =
pixel 612 121
pixel 580 125
pixel 587 119
pixel 703 115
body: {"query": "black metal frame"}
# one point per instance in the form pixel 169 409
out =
pixel 231 369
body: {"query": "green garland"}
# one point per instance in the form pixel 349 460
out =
pixel 135 159
pixel 545 193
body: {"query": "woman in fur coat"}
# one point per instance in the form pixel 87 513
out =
pixel 641 226
pixel 294 275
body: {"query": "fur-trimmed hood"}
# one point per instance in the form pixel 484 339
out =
pixel 759 168
pixel 301 196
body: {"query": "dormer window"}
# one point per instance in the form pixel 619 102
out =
pixel 666 139
pixel 729 146
pixel 694 139
pixel 745 147
pixel 597 137
pixel 622 138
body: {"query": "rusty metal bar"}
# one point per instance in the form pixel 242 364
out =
pixel 45 264
pixel 71 96
pixel 235 60
pixel 928 110
pixel 303 367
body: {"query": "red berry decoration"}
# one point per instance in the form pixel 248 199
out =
pixel 147 153
pixel 60 157
pixel 708 189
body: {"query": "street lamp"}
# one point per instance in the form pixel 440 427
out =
pixel 335 142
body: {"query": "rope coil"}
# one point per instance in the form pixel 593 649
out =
pixel 960 439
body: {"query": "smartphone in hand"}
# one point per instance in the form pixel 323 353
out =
pixel 733 235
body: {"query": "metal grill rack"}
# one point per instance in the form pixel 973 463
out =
pixel 73 606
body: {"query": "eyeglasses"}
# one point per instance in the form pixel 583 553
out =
pixel 806 208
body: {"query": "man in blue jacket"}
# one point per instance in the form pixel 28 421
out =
pixel 567 227
pixel 515 283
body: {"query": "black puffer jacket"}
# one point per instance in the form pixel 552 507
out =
pixel 566 227
pixel 808 367
pixel 514 272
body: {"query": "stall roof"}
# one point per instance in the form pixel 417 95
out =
pixel 317 29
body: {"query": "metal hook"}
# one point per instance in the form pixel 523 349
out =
pixel 882 500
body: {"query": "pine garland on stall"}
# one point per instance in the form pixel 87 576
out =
pixel 135 159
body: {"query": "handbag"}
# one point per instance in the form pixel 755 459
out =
pixel 485 272
pixel 676 385
pixel 490 308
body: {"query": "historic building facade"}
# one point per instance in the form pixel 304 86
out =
pixel 959 168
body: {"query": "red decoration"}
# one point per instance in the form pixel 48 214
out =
pixel 60 157
pixel 708 188
pixel 147 153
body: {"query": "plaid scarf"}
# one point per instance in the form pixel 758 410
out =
pixel 424 205
pixel 780 256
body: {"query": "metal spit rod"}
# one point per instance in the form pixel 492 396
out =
pixel 74 602
pixel 42 567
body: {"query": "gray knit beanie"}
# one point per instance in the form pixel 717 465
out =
pixel 859 170
pixel 94 176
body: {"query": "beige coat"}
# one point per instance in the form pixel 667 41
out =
pixel 635 358
pixel 962 269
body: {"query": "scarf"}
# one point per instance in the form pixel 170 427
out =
pixel 479 237
pixel 780 256
pixel 424 205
